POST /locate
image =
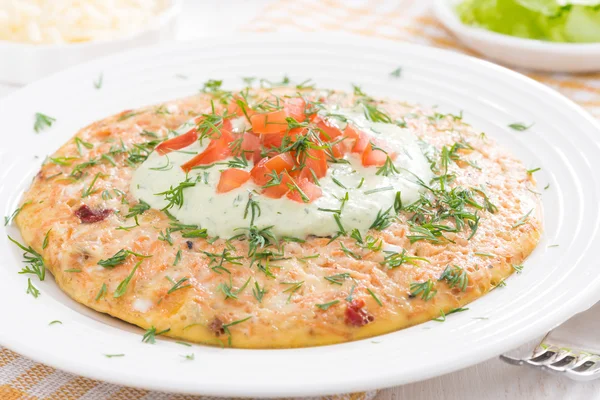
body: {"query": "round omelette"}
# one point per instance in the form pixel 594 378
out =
pixel 280 216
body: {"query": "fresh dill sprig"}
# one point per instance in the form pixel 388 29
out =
pixel 394 259
pixel 119 258
pixel 425 289
pixel 42 122
pixel 455 276
pixel 151 333
pixel 34 260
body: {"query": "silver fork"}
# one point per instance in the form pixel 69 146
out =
pixel 571 350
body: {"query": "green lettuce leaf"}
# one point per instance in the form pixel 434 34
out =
pixel 534 19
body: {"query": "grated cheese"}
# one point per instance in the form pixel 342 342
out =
pixel 74 21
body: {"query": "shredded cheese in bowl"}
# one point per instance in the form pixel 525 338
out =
pixel 75 21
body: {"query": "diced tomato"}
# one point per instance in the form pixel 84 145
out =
pixel 350 132
pixel 310 190
pixel 316 159
pixel 226 125
pixel 273 140
pixel 372 157
pixel 251 147
pixel 259 172
pixel 328 131
pixel 280 162
pixel 269 123
pixel 362 142
pixel 280 190
pixel 238 105
pixel 231 179
pixel 178 142
pixel 341 148
pixel 294 108
pixel 217 150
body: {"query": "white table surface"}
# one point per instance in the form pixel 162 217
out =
pixel 492 379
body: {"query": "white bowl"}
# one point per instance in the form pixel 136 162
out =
pixel 518 52
pixel 21 63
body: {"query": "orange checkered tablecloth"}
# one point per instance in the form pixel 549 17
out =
pixel 401 20
pixel 405 21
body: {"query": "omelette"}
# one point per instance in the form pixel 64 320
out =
pixel 279 216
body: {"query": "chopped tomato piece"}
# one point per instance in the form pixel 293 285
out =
pixel 372 157
pixel 328 131
pixel 281 189
pixel 310 192
pixel 362 142
pixel 273 140
pixel 269 123
pixel 178 142
pixel 341 148
pixel 231 179
pixel 294 108
pixel 350 132
pixel 250 147
pixel 238 106
pixel 217 150
pixel 280 162
pixel 316 159
pixel 259 172
pixel 226 125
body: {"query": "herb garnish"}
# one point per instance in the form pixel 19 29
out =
pixel 349 252
pixel 519 126
pixel 226 327
pixel 258 292
pixel 178 285
pixel 101 292
pixel 456 277
pixel 177 258
pixel 396 73
pixel 382 220
pixel 338 279
pixel 119 258
pixel 8 220
pixel 122 288
pixel 34 259
pixel 32 290
pixel 522 220
pixel 174 196
pixel 425 289
pixel 325 306
pixel 443 315
pixel 518 268
pixel 90 189
pixel 375 297
pixel 150 335
pixel 295 286
pixel 393 259
pixel 46 239
pixel 99 81
pixel 42 122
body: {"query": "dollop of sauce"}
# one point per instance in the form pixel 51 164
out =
pixel 359 191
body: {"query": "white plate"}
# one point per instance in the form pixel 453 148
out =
pixel 520 52
pixel 556 282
